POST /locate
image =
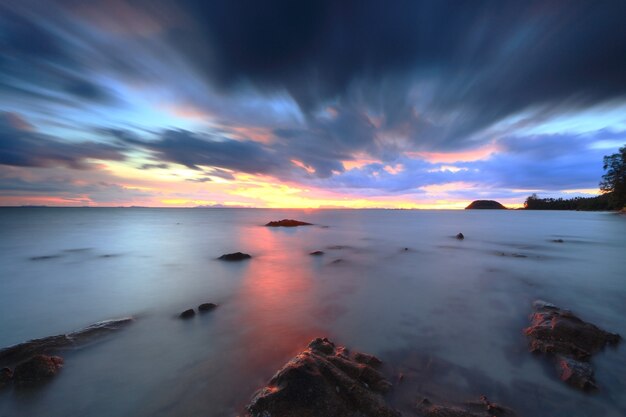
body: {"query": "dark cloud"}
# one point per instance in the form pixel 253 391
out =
pixel 195 150
pixel 154 166
pixel 201 179
pixel 482 60
pixel 39 60
pixel 20 145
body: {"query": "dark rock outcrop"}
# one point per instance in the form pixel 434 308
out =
pixel 203 308
pixel 483 408
pixel 317 253
pixel 324 380
pixel 47 345
pixel 485 205
pixel 187 314
pixel 569 340
pixel 6 375
pixel 237 256
pixel 460 236
pixel 36 370
pixel 288 223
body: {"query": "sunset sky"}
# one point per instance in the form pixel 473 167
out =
pixel 399 104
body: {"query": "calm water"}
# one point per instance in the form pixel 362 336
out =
pixel 447 314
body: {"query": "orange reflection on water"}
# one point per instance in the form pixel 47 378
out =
pixel 277 295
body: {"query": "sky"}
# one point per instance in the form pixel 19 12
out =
pixel 308 104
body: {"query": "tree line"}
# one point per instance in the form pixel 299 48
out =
pixel 612 186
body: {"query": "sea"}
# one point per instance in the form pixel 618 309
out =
pixel 446 316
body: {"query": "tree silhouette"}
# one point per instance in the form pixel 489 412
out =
pixel 614 181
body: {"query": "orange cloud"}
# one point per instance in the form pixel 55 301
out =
pixel 305 167
pixel 452 157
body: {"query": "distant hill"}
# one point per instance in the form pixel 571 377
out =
pixel 485 205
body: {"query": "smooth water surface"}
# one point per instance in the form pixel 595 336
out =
pixel 445 313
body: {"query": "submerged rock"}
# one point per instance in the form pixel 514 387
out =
pixel 569 340
pixel 36 370
pixel 187 314
pixel 483 408
pixel 202 308
pixel 485 205
pixel 20 352
pixel 288 223
pixel 324 380
pixel 237 256
pixel 460 236
pixel 317 253
pixel 6 375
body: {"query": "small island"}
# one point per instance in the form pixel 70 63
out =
pixel 485 205
pixel 287 223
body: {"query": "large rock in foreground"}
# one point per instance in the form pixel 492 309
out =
pixel 288 223
pixel 485 205
pixel 569 340
pixel 324 380
pixel 38 369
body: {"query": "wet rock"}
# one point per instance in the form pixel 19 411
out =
pixel 482 408
pixel 288 223
pixel 47 345
pixel 323 380
pixel 36 370
pixel 237 256
pixel 576 373
pixel 569 340
pixel 187 314
pixel 367 359
pixel 203 308
pixel 460 236
pixel 317 253
pixel 6 375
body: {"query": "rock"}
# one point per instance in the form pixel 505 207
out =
pixel 460 236
pixel 569 340
pixel 47 345
pixel 485 205
pixel 237 256
pixel 36 370
pixel 6 375
pixel 187 314
pixel 202 308
pixel 317 253
pixel 367 359
pixel 288 223
pixel 482 408
pixel 576 373
pixel 323 380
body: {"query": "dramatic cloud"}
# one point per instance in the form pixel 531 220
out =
pixel 20 145
pixel 328 99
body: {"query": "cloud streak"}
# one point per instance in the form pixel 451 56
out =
pixel 336 96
